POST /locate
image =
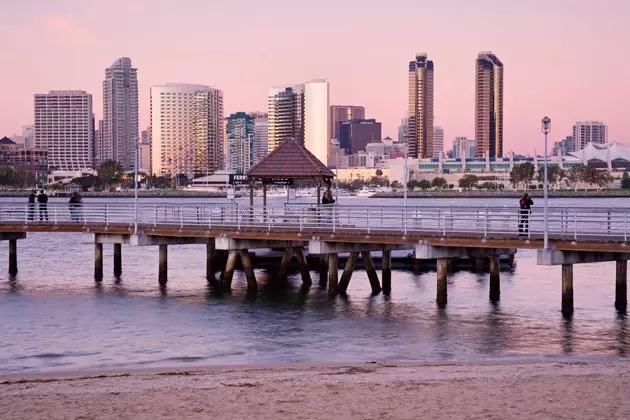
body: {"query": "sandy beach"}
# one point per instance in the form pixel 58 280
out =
pixel 514 390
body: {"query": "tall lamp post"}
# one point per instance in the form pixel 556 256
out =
pixel 546 128
pixel 135 187
pixel 335 144
pixel 405 174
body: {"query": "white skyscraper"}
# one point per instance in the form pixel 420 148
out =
pixel 187 129
pixel 64 126
pixel 28 131
pixel 316 119
pixel 301 112
pixel 261 135
pixel 120 113
pixel 463 148
pixel 438 141
pixel 585 132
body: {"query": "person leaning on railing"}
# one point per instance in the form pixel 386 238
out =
pixel 526 204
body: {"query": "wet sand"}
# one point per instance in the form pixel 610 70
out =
pixel 514 390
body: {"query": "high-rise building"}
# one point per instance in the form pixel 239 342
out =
pixel 489 105
pixel 300 112
pixel 261 127
pixel 120 113
pixel 343 113
pixel 64 126
pixel 356 134
pixel 240 139
pixel 463 148
pixel 563 147
pixel 585 132
pixel 28 132
pixel 144 163
pixel 99 153
pixel 421 92
pixel 438 142
pixel 403 130
pixel 187 129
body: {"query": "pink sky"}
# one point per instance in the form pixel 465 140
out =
pixel 569 59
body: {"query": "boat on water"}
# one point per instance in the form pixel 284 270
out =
pixel 366 192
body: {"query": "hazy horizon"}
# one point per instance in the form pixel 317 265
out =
pixel 564 58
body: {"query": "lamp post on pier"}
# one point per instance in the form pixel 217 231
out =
pixel 135 187
pixel 405 174
pixel 546 128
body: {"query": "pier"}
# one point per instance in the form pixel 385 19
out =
pixel 315 235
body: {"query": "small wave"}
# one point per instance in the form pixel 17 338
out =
pixel 185 359
pixel 56 355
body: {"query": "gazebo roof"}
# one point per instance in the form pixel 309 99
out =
pixel 290 160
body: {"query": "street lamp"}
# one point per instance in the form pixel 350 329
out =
pixel 546 128
pixel 335 144
pixel 135 187
pixel 405 174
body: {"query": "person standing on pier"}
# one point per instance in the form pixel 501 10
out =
pixel 31 205
pixel 75 206
pixel 42 199
pixel 526 204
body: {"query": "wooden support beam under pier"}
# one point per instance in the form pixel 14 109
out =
pixel 303 266
pixel 98 262
pixel 248 268
pixel 442 275
pixel 163 265
pixel 230 265
pixel 371 272
pixel 13 263
pixel 621 286
pixel 117 260
pixel 351 263
pixel 495 278
pixel 210 257
pixel 386 271
pixel 567 289
pixel 333 274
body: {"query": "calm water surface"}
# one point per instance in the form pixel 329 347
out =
pixel 54 318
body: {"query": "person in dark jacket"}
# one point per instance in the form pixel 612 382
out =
pixel 31 205
pixel 327 199
pixel 42 199
pixel 526 204
pixel 75 206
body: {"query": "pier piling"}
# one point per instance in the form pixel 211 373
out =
pixel 13 265
pixel 117 260
pixel 98 262
pixel 163 265
pixel 495 278
pixel 371 272
pixel 347 272
pixel 248 268
pixel 621 286
pixel 284 263
pixel 567 289
pixel 302 264
pixel 480 265
pixel 386 269
pixel 442 274
pixel 333 274
pixel 323 270
pixel 210 255
pixel 229 269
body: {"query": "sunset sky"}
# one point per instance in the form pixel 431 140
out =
pixel 569 59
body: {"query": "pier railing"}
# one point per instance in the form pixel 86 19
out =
pixel 607 224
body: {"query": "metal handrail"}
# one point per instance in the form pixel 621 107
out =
pixel 487 222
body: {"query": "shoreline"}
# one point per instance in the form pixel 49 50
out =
pixel 512 389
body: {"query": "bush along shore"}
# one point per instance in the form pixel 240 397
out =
pixel 610 193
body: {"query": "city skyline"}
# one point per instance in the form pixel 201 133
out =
pixel 545 72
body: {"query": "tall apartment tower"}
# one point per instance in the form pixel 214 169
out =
pixel 438 142
pixel 342 113
pixel 489 105
pixel 421 94
pixel 585 132
pixel 64 126
pixel 240 139
pixel 187 129
pixel 300 112
pixel 261 135
pixel 120 113
pixel 144 160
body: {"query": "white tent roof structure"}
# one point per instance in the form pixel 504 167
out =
pixel 606 152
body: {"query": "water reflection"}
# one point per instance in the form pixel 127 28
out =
pixel 623 344
pixel 567 334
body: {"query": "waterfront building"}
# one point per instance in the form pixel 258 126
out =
pixel 119 132
pixel 187 129
pixel 463 148
pixel 563 147
pixel 438 142
pixel 300 112
pixel 356 134
pixel 98 144
pixel 261 135
pixel 240 128
pixel 28 132
pixel 403 130
pixel 342 113
pixel 420 112
pixel 489 105
pixel 585 132
pixel 64 127
pixel 17 154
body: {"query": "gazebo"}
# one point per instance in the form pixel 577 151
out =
pixel 288 162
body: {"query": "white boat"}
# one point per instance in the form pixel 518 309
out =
pixel 365 192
